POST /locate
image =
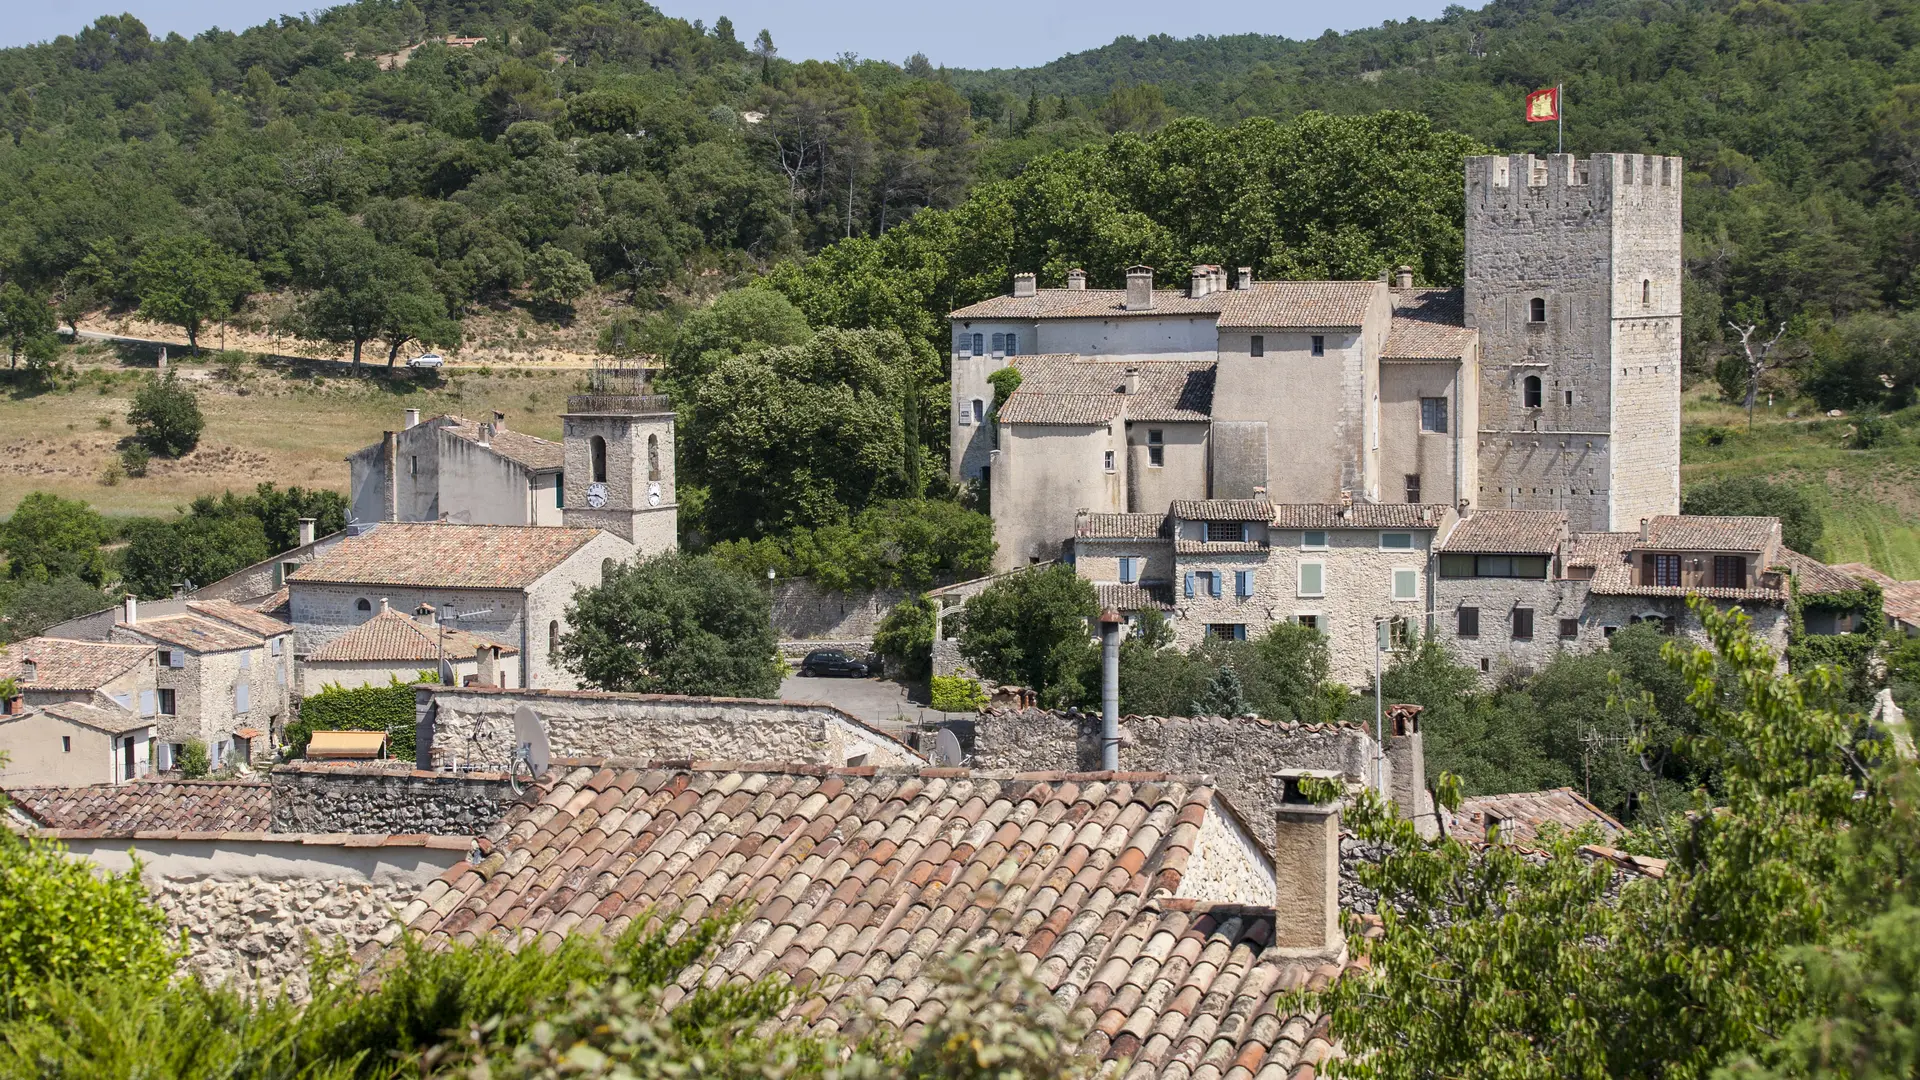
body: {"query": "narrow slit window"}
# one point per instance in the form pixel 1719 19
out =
pixel 1259 345
pixel 1156 448
pixel 1537 309
pixel 1646 292
pixel 1319 345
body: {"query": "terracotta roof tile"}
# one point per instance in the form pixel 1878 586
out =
pixel 1508 532
pixel 1125 598
pixel 1428 324
pixel 1089 304
pixel 1303 304
pixel 1092 526
pixel 1361 515
pixel 1048 867
pixel 1811 577
pixel 1064 389
pixel 446 556
pixel 1610 554
pixel 150 805
pixel 1697 532
pixel 522 449
pixel 65 664
pixel 195 633
pixel 251 619
pixel 393 636
pixel 111 719
pixel 1900 599
pixel 1222 510
pixel 1526 811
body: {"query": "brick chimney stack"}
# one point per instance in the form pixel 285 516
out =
pixel 1133 380
pixel 1403 277
pixel 412 418
pixel 1306 860
pixel 1139 288
pixel 1025 285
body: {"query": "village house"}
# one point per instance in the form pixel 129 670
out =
pixel 82 712
pixel 220 681
pixel 394 645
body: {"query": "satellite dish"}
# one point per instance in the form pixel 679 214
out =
pixel 530 740
pixel 946 749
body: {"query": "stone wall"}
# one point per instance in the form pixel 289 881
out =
pixel 1241 755
pixel 473 726
pixel 802 611
pixel 324 798
pixel 254 933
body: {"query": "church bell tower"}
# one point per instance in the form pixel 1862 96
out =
pixel 619 460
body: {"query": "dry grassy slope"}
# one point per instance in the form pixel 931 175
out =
pixel 271 425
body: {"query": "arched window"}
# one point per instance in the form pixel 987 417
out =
pixel 598 447
pixel 1530 392
pixel 653 457
pixel 1537 309
pixel 363 604
pixel 553 637
pixel 1646 292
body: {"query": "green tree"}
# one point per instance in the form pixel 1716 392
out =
pixel 362 290
pixel 166 417
pixel 905 638
pixel 195 548
pixel 25 320
pixel 1284 670
pixel 736 323
pixel 279 511
pixel 70 923
pixel 559 276
pixel 49 537
pixel 30 608
pixel 1800 522
pixel 1033 629
pixel 187 281
pixel 674 624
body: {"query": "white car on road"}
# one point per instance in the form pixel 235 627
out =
pixel 427 360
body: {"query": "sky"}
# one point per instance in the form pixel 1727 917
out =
pixel 992 33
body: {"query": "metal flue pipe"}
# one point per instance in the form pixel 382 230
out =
pixel 1110 690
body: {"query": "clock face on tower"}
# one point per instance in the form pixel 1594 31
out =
pixel 596 495
pixel 653 493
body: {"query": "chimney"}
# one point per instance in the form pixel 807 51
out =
pixel 499 421
pixel 1246 277
pixel 1306 860
pixel 384 607
pixel 412 419
pixel 486 665
pixel 1139 288
pixel 1110 690
pixel 1403 277
pixel 486 434
pixel 1646 530
pixel 1201 282
pixel 1133 380
pixel 1406 751
pixel 390 451
pixel 425 616
pixel 307 528
pixel 1217 276
pixel 129 609
pixel 1346 502
pixel 1077 280
pixel 1025 285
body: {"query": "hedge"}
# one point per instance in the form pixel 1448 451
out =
pixel 364 708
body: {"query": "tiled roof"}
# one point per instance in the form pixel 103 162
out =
pixel 1060 389
pixel 247 618
pixel 1899 599
pixel 111 719
pixel 1089 304
pixel 275 603
pixel 150 805
pixel 1428 324
pixel 1698 532
pixel 1124 598
pixel 1361 515
pixel 1218 547
pixel 527 450
pixel 1508 532
pixel 194 632
pixel 1811 577
pixel 394 636
pixel 65 664
pixel 447 556
pixel 860 879
pixel 1614 573
pixel 1527 811
pixel 1092 526
pixel 1303 304
pixel 1222 509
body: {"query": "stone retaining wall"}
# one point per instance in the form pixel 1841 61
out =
pixel 318 798
pixel 802 611
pixel 254 933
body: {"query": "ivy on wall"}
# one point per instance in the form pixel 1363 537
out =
pixel 1850 654
pixel 363 708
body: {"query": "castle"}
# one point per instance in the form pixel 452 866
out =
pixel 1550 382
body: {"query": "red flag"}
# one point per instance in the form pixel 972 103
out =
pixel 1543 105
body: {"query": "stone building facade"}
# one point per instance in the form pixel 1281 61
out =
pixel 450 468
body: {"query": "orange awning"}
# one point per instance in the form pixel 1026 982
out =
pixel 347 744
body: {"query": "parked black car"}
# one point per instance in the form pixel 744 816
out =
pixel 832 662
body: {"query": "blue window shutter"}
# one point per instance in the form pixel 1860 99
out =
pixel 1213 584
pixel 1126 570
pixel 240 697
pixel 1013 344
pixel 1240 632
pixel 1189 586
pixel 1243 583
pixel 146 703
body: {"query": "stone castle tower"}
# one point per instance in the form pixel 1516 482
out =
pixel 1573 282
pixel 619 462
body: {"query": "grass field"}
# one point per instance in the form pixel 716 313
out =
pixel 290 425
pixel 1870 499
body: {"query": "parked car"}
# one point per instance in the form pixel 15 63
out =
pixel 427 360
pixel 825 662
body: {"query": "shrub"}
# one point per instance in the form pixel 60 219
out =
pixel 674 624
pixel 954 693
pixel 1800 524
pixel 166 417
pixel 134 459
pixel 905 638
pixel 363 708
pixel 67 922
pixel 1872 430
pixel 192 761
pixel 1032 628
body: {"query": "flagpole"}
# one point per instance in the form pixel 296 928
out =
pixel 1560 113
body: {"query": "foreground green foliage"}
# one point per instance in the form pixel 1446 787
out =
pixel 361 708
pixel 956 693
pixel 674 624
pixel 1500 964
